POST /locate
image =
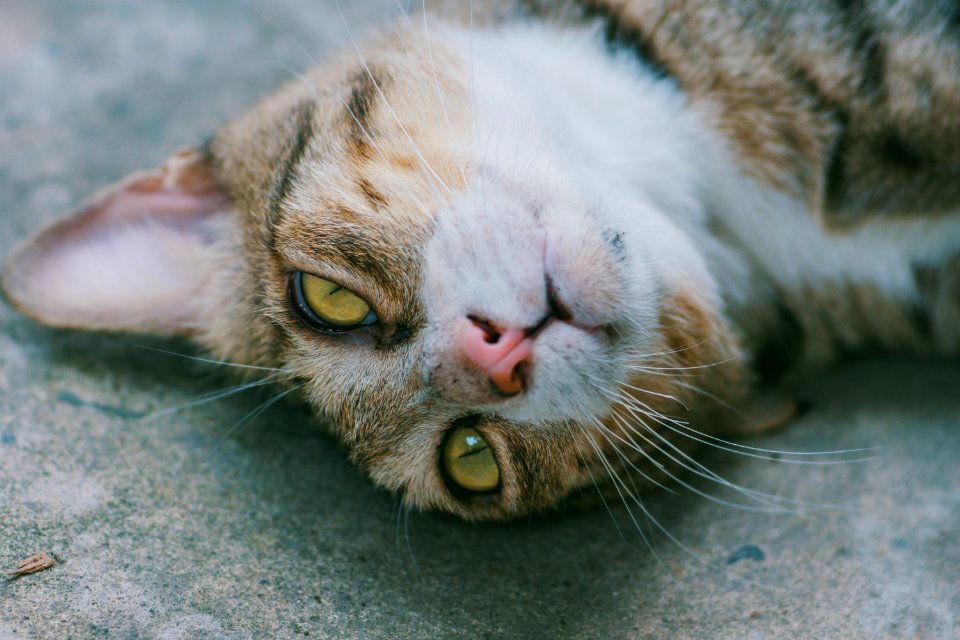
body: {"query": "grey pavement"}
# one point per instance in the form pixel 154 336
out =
pixel 196 523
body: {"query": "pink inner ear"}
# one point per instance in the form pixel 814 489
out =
pixel 160 203
pixel 163 207
pixel 183 189
pixel 136 257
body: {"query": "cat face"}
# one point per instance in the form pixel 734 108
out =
pixel 413 239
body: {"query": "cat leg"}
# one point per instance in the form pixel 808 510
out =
pixel 761 413
pixel 939 288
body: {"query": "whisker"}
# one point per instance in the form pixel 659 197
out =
pixel 685 430
pixel 403 536
pixel 669 352
pixel 406 535
pixel 252 415
pixel 398 502
pixel 436 77
pixel 223 363
pixel 658 394
pixel 326 78
pixel 690 368
pixel 390 109
pixel 213 396
pixel 617 482
pixel 624 492
pixel 771 502
pixel 760 449
pixel 597 487
pixel 688 462
pixel 649 516
pixel 606 433
pixel 396 27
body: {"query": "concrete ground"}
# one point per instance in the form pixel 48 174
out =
pixel 181 525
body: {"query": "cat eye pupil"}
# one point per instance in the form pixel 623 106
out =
pixel 327 306
pixel 469 463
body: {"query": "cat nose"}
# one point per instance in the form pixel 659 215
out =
pixel 504 354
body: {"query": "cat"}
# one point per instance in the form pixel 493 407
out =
pixel 510 250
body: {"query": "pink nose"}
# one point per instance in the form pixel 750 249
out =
pixel 502 353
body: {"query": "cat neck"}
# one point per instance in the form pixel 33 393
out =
pixel 560 100
pixel 601 111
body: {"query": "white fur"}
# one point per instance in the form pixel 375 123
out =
pixel 564 159
pixel 591 143
pixel 626 129
pixel 792 247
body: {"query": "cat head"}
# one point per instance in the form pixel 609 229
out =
pixel 420 241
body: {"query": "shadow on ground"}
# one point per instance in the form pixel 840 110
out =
pixel 179 525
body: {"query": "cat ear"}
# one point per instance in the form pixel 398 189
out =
pixel 135 257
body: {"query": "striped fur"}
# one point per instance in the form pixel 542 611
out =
pixel 850 106
pixel 723 194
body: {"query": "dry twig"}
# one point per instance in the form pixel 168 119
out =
pixel 32 564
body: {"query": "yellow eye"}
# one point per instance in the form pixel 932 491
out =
pixel 469 461
pixel 327 304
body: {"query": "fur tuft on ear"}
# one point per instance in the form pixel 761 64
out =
pixel 135 257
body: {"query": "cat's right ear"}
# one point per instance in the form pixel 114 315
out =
pixel 136 257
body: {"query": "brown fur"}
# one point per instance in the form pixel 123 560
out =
pixel 939 315
pixel 807 119
pixel 849 106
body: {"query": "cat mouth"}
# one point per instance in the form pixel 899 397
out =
pixel 558 372
pixel 548 353
pixel 507 356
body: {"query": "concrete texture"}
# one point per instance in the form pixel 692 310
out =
pixel 184 525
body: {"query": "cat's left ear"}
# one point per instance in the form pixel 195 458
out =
pixel 136 257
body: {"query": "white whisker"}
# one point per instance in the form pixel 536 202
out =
pixel 690 368
pixel 685 430
pixel 607 433
pixel 406 535
pixel 436 79
pixel 213 396
pixel 252 415
pixel 390 109
pixel 617 483
pixel 326 78
pixel 770 502
pixel 773 502
pixel 596 486
pixel 222 363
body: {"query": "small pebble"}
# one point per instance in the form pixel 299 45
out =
pixel 747 552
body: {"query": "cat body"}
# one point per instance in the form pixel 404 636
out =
pixel 574 231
